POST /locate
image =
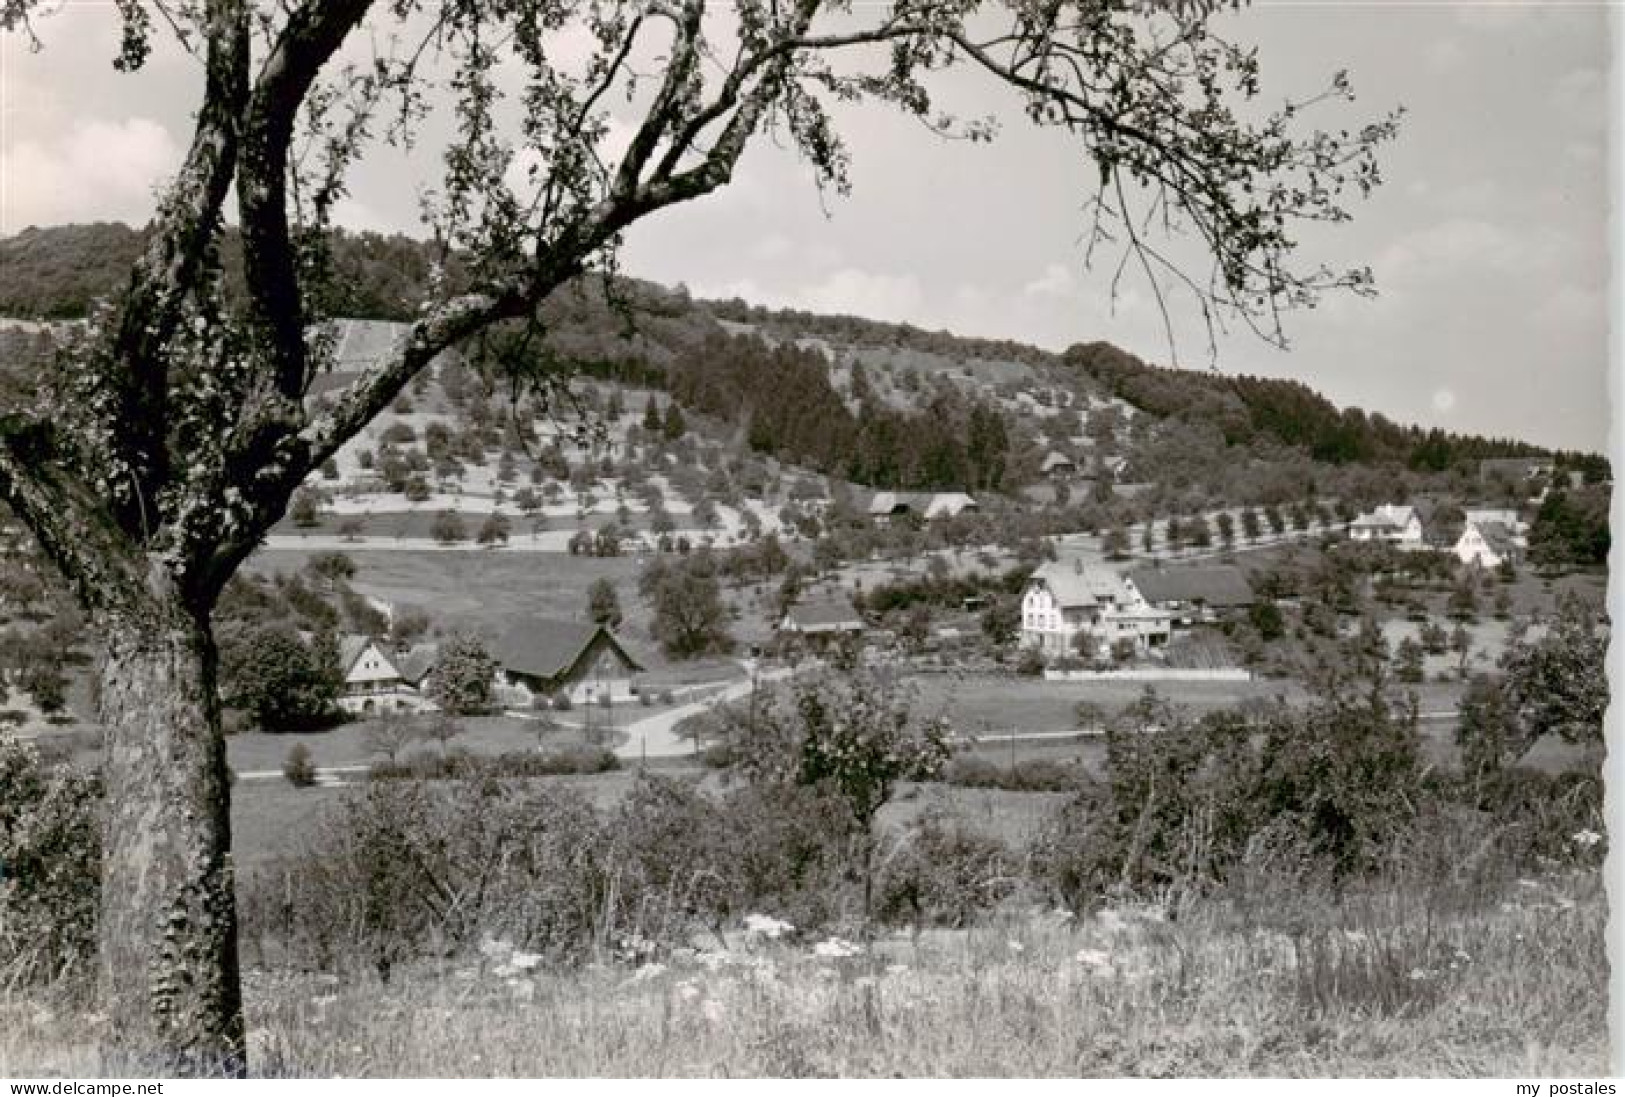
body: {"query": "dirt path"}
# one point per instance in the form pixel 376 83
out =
pixel 656 736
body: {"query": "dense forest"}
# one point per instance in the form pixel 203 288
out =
pixel 1248 410
pixel 783 397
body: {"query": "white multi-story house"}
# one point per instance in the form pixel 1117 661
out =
pixel 1064 600
pixel 1394 524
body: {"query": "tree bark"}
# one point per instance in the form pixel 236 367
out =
pixel 169 974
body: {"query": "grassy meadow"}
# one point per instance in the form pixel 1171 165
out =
pixel 1380 985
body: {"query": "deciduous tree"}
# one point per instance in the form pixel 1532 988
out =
pixel 177 428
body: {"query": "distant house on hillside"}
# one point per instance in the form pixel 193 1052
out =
pixel 538 657
pixel 1064 600
pixel 1192 594
pixel 375 682
pixel 819 620
pixel 923 504
pixel 1393 524
pixel 1507 517
pixel 1514 470
pixel 1488 544
pixel 1058 466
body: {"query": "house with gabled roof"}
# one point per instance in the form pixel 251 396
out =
pixel 1488 544
pixel 1058 466
pixel 1394 524
pixel 1065 599
pixel 1194 593
pixel 374 681
pixel 885 505
pixel 542 657
pixel 822 617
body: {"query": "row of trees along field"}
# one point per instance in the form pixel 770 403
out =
pixel 154 463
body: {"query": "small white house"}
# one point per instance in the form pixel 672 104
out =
pixel 1396 525
pixel 886 505
pixel 1487 544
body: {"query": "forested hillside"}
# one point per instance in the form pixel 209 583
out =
pixel 882 404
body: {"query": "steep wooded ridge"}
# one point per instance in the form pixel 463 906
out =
pixel 773 382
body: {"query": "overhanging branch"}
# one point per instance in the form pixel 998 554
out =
pixel 67 518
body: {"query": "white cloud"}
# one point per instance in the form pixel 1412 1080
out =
pixel 1580 92
pixel 865 293
pixel 95 170
pixel 1056 281
pixel 1444 247
pixel 1495 15
pixel 1445 55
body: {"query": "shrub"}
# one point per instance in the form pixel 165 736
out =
pixel 1033 775
pixel 405 869
pixel 944 874
pixel 457 763
pixel 298 767
pixel 408 869
pixel 50 849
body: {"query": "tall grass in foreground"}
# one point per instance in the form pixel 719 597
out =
pixel 1378 987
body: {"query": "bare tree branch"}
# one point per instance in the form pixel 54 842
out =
pixel 166 275
pixel 66 517
pixel 313 34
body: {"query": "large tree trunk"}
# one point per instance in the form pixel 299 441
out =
pixel 169 975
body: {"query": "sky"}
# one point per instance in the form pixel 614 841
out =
pixel 1489 240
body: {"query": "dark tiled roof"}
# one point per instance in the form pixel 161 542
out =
pixel 1219 585
pixel 416 661
pixel 825 616
pixel 538 647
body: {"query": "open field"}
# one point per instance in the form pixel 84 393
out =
pixel 347 745
pixel 983 704
pixel 1380 985
pixel 485 592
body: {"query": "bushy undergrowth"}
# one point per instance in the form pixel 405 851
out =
pixel 1313 801
pixel 1032 775
pixel 50 860
pixel 407 869
pixel 457 763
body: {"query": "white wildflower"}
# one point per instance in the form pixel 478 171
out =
pixel 1585 839
pixel 711 961
pixel 1095 958
pixel 1461 955
pixel 1015 946
pixel 1417 975
pixel 687 990
pixel 835 948
pixel 524 961
pixel 761 925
